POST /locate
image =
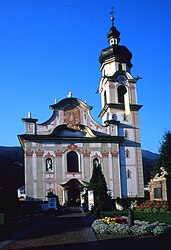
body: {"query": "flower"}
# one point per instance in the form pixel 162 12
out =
pixel 115 220
pixel 153 207
pixel 140 228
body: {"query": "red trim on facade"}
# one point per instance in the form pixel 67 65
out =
pixel 72 146
pixel 48 154
pixel 58 153
pixel 39 153
pixel 29 153
pixel 132 87
pixel 115 153
pixel 112 86
pixel 86 153
pixel 105 153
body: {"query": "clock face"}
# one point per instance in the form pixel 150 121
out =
pixel 121 78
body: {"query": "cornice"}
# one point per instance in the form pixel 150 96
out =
pixel 121 106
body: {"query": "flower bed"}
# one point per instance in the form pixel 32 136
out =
pixel 109 225
pixel 153 207
pixel 115 220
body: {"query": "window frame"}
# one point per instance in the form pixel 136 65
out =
pixel 70 168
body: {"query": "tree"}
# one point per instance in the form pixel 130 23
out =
pixel 99 186
pixel 164 160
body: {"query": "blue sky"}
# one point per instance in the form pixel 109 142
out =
pixel 48 47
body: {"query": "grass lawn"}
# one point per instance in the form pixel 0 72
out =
pixel 151 217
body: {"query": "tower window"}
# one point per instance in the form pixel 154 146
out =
pixel 128 174
pixel 126 133
pixel 114 117
pixel 49 166
pixel 105 98
pixel 127 153
pixel 121 92
pixel 72 162
pixel 125 117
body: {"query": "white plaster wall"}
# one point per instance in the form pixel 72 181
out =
pixel 34 167
pixel 93 145
pixel 132 182
pixel 34 189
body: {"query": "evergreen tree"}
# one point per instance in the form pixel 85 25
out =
pixel 165 155
pixel 99 187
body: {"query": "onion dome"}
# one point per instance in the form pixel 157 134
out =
pixel 120 53
pixel 113 36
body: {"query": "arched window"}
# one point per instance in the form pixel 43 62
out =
pixel 49 166
pixel 127 153
pixel 72 162
pixel 126 133
pixel 128 174
pixel 105 98
pixel 121 92
pixel 125 117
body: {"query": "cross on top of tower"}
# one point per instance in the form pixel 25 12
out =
pixel 112 16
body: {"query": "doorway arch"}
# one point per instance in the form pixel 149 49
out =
pixel 74 190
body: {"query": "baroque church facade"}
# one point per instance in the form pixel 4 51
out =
pixel 61 152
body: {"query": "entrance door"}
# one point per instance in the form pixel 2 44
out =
pixel 74 196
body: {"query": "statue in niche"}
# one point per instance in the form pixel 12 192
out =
pixel 96 162
pixel 49 165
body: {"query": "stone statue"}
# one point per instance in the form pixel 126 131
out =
pixel 69 94
pixel 29 114
pixel 161 174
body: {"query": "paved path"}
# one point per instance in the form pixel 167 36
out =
pixel 66 231
pixel 72 231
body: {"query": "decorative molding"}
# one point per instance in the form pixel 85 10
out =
pixel 132 87
pixel 48 155
pixel 29 153
pixel 49 176
pixel 86 153
pixel 58 153
pixel 115 153
pixel 39 153
pixel 105 153
pixel 72 146
pixel 112 86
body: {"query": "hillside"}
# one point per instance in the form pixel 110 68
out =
pixel 149 159
pixel 13 153
pixel 11 177
pixel 149 155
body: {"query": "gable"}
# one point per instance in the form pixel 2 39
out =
pixel 71 112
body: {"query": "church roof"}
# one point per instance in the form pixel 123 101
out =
pixel 121 54
pixel 63 133
pixel 71 100
pixel 113 33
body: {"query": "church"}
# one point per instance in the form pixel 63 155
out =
pixel 60 153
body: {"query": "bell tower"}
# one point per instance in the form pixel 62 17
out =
pixel 120 109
